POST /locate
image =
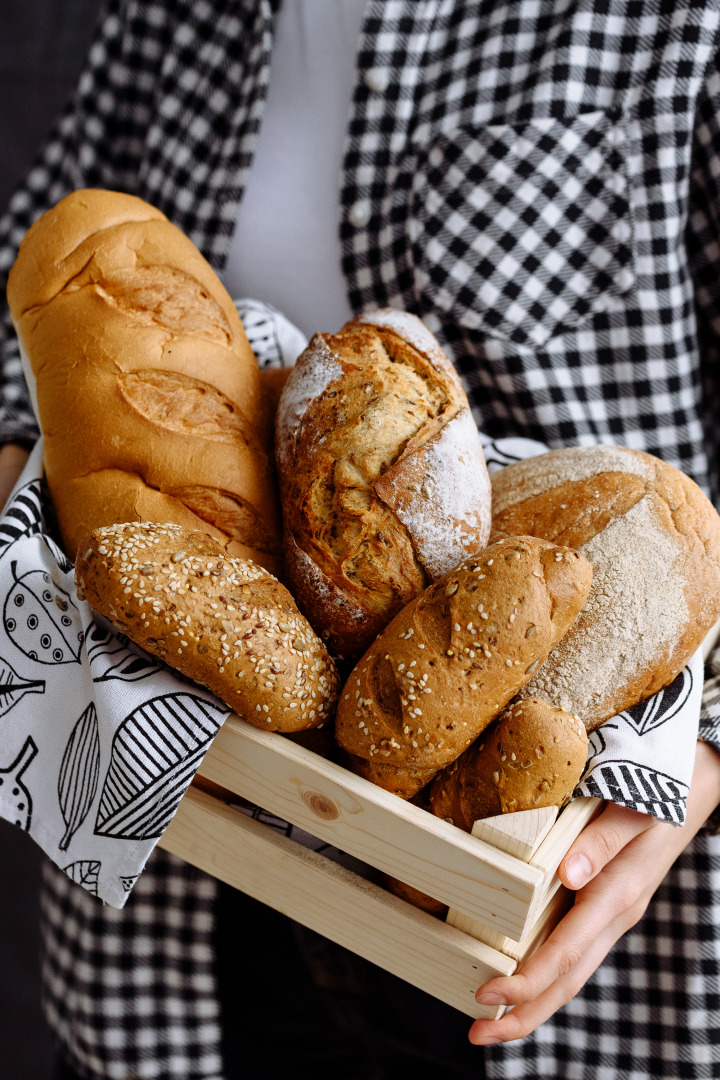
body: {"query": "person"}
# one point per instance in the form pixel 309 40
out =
pixel 538 182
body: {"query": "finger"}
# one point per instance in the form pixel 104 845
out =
pixel 550 978
pixel 605 909
pixel 523 1019
pixel 600 842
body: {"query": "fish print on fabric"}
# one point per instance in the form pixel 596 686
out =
pixel 13 687
pixel 14 796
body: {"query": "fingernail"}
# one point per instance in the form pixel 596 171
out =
pixel 578 870
pixel 483 1040
pixel 490 999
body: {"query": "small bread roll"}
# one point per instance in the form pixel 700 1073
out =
pixel 454 657
pixel 224 622
pixel 532 755
pixel 383 479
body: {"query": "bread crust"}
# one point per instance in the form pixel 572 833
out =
pixel 224 622
pixel 454 657
pixel 383 479
pixel 146 387
pixel 532 755
pixel 653 539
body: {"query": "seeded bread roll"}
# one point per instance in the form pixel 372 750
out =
pixel 147 392
pixel 224 622
pixel 454 657
pixel 653 540
pixel 382 475
pixel 532 755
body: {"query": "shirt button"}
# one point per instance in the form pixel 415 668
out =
pixel 377 80
pixel 624 279
pixel 436 157
pixel 360 213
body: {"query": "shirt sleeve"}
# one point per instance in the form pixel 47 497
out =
pixel 703 246
pixel 95 142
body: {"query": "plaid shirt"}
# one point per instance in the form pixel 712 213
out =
pixel 539 182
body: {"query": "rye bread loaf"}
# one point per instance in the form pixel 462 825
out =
pixel 454 657
pixel 382 475
pixel 147 392
pixel 653 540
pixel 222 621
pixel 532 755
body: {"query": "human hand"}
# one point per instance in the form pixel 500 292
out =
pixel 616 864
pixel 12 463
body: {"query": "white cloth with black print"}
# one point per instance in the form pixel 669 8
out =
pixel 96 779
pixel 168 108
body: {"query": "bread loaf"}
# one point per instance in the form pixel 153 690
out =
pixel 653 540
pixel 382 475
pixel 224 622
pixel 454 657
pixel 532 755
pixel 148 394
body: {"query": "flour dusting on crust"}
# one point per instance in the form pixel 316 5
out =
pixel 635 612
pixel 446 510
pixel 316 369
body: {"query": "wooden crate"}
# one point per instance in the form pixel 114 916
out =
pixel 501 906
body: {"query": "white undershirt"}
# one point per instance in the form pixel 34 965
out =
pixel 285 248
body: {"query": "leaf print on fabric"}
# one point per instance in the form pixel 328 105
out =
pixel 42 620
pixel 101 640
pixel 85 872
pixel 632 784
pixel 131 668
pixel 657 710
pixel 155 753
pixel 501 452
pixel 13 687
pixel 117 657
pixel 14 796
pixel 79 773
pixel 22 516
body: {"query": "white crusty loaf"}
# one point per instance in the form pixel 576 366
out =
pixel 653 540
pixel 382 475
pixel 148 393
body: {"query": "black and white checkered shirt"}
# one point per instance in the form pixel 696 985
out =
pixel 540 182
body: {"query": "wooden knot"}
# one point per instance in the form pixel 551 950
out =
pixel 320 805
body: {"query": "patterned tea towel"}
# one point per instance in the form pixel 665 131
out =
pixel 99 740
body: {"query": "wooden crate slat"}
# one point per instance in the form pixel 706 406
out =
pixel 375 826
pixel 518 834
pixel 333 901
pixel 559 903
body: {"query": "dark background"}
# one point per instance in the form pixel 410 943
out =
pixel 42 47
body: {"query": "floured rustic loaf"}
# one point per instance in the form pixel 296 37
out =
pixel 454 657
pixel 222 621
pixel 653 540
pixel 532 755
pixel 148 393
pixel 382 475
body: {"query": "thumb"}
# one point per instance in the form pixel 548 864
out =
pixel 600 842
